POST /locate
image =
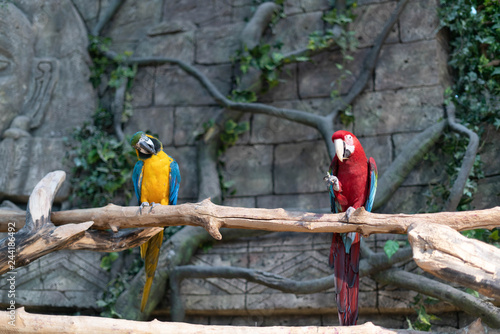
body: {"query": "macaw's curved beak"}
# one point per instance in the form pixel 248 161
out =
pixel 145 145
pixel 339 149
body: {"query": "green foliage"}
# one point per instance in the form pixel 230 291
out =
pixel 107 260
pixel 231 132
pixel 391 247
pixel 268 60
pixel 423 320
pixel 115 69
pixel 103 165
pixel 475 42
pixel 116 287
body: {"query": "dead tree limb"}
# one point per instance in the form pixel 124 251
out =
pixel 447 254
pixel 39 236
pixel 25 322
pixel 213 217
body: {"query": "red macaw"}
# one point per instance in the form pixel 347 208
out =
pixel 352 183
pixel 156 181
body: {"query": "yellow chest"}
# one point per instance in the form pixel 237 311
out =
pixel 155 179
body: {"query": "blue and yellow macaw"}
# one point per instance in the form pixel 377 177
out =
pixel 352 183
pixel 156 180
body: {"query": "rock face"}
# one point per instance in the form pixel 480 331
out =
pixel 44 93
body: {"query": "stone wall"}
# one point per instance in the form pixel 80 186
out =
pixel 277 163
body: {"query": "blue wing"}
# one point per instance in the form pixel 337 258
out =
pixel 372 170
pixel 137 179
pixel 174 182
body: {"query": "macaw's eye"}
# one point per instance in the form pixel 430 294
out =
pixel 348 137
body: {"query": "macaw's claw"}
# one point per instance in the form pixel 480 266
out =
pixel 349 213
pixel 153 204
pixel 143 204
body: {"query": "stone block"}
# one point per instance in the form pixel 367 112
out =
pixel 293 31
pixel 177 45
pixel 299 168
pixel 60 279
pixel 369 22
pixel 131 23
pixel 489 150
pixel 243 202
pixel 409 65
pixel 286 89
pixel 406 200
pixel 158 121
pixel 143 87
pixel 216 45
pixel 173 86
pixel 427 171
pixel 250 168
pixel 189 123
pixel 304 6
pixel 27 160
pixel 273 130
pixel 403 110
pixel 380 148
pixel 200 13
pixel 318 77
pixel 488 193
pixel 419 20
pixel 309 202
pixel 186 157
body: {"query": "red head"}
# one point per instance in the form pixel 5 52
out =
pixel 347 146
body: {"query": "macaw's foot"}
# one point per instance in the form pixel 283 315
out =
pixel 349 213
pixel 151 206
pixel 331 180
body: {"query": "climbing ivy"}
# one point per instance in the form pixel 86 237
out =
pixel 474 38
pixel 102 165
pixel 474 27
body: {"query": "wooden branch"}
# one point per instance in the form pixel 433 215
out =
pixel 39 236
pixel 25 322
pixel 466 302
pixel 108 241
pixel 212 217
pixel 447 254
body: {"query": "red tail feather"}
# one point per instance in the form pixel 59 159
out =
pixel 346 269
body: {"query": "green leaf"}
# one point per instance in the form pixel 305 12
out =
pixel 472 292
pixel 390 248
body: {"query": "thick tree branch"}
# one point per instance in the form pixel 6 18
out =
pixel 39 236
pixel 213 217
pixel 447 254
pixel 40 323
pixel 106 17
pixel 251 34
pixel 370 61
pixel 406 161
pixel 457 190
pixel 470 304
